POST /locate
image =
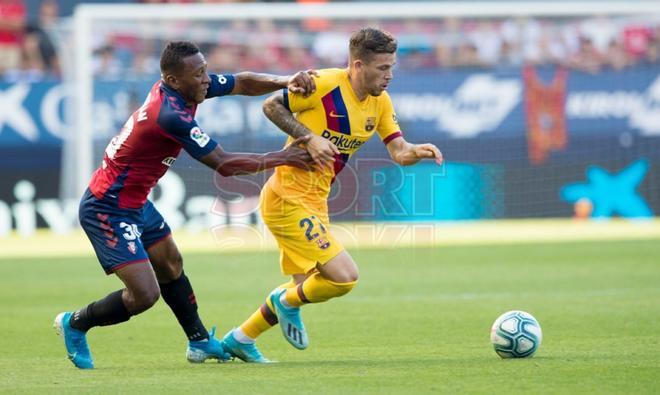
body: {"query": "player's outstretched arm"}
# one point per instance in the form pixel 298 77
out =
pixel 405 153
pixel 322 151
pixel 232 163
pixel 248 83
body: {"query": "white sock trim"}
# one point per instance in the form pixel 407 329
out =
pixel 284 302
pixel 241 337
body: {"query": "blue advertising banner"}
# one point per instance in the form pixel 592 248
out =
pixel 431 104
pixel 32 114
pixel 519 143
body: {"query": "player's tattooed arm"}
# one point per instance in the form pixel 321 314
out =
pixel 322 151
pixel 277 113
pixel 405 153
pixel 248 83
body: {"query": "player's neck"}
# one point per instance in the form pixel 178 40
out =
pixel 359 91
pixel 188 104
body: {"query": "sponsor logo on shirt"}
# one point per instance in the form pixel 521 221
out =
pixel 199 137
pixel 335 115
pixel 169 161
pixel 342 141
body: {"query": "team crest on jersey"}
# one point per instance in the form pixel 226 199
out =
pixel 199 137
pixel 322 243
pixel 132 247
pixel 169 161
pixel 371 124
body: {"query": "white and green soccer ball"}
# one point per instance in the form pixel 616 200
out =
pixel 516 334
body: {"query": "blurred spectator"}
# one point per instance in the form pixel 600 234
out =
pixel 487 41
pixel 131 49
pixel 652 55
pixel 12 24
pixel 39 52
pixel 448 43
pixel 616 56
pixel 330 47
pixel 637 39
pixel 224 58
pixel 105 65
pixel 146 61
pixel 600 31
pixel 588 58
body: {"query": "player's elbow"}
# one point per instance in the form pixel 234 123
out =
pixel 225 171
pixel 224 168
pixel 270 105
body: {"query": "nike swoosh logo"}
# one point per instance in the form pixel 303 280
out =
pixel 333 115
pixel 72 356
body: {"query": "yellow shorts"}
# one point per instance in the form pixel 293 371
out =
pixel 303 235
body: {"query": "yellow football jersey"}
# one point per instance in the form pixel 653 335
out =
pixel 335 113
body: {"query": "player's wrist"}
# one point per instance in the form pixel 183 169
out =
pixel 283 81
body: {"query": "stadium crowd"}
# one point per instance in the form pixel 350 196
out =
pixel 29 47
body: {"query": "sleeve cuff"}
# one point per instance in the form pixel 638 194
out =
pixel 285 99
pixel 392 137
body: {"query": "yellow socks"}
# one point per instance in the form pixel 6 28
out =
pixel 264 318
pixel 316 289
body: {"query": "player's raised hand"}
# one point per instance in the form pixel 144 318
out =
pixel 323 151
pixel 302 82
pixel 428 151
pixel 297 155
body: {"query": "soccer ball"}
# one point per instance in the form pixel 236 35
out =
pixel 516 334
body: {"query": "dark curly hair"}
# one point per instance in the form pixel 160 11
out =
pixel 171 60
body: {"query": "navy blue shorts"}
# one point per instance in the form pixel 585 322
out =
pixel 120 236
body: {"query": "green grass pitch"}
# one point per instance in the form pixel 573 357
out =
pixel 418 322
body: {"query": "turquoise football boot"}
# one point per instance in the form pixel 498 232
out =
pixel 75 342
pixel 243 351
pixel 211 348
pixel 290 320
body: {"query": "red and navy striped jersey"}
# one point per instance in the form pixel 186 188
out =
pixel 149 143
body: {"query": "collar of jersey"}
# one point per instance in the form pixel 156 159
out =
pixel 350 90
pixel 173 92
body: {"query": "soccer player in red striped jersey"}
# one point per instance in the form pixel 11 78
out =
pixel 130 237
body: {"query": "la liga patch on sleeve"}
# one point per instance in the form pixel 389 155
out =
pixel 199 137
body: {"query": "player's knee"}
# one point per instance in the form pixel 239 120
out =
pixel 176 266
pixel 172 270
pixel 353 276
pixel 342 288
pixel 143 299
pixel 149 299
pixel 347 275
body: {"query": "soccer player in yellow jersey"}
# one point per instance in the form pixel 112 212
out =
pixel 347 108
